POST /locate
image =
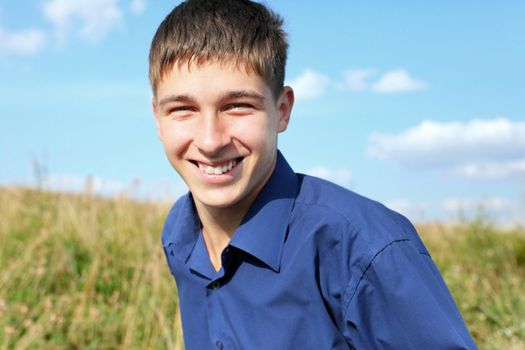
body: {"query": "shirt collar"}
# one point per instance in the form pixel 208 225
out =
pixel 261 233
pixel 182 228
pixel 263 230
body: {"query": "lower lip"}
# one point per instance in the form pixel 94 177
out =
pixel 222 178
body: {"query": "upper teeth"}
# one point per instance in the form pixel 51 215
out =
pixel 210 170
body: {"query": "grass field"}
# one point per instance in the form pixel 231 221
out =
pixel 79 272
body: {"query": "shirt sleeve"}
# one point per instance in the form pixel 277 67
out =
pixel 402 302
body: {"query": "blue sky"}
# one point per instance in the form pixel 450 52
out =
pixel 420 106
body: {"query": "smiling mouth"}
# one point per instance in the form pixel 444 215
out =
pixel 217 169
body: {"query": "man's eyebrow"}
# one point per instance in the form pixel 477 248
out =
pixel 227 96
pixel 243 93
pixel 175 98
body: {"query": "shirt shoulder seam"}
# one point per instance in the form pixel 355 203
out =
pixel 362 276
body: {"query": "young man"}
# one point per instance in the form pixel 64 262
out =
pixel 265 258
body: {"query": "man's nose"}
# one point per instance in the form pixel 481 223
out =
pixel 212 134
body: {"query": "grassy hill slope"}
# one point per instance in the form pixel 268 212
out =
pixel 79 272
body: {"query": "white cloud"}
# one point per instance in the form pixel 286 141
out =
pixel 91 19
pixel 161 189
pixel 456 205
pixel 358 79
pixel 505 170
pixel 497 210
pixel 309 85
pixel 453 205
pixel 137 6
pixel 25 42
pixel 397 80
pixel 393 81
pixel 451 143
pixel 415 211
pixel 342 177
pixel 94 184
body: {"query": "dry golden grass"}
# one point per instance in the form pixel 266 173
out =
pixel 79 272
pixel 485 270
pixel 83 272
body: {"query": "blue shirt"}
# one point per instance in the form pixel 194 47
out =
pixel 311 266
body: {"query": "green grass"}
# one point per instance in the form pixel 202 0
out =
pixel 485 270
pixel 79 272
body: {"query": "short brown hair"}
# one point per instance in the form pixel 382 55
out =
pixel 240 31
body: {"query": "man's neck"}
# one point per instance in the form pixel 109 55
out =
pixel 218 227
pixel 219 224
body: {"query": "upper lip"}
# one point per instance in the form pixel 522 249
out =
pixel 216 163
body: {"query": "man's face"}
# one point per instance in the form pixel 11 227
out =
pixel 219 127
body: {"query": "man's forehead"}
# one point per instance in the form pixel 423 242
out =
pixel 212 79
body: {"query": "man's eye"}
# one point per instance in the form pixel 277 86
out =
pixel 238 106
pixel 179 109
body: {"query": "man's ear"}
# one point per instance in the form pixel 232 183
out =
pixel 156 115
pixel 284 107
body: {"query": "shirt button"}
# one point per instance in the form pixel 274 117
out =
pixel 219 345
pixel 216 285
